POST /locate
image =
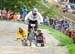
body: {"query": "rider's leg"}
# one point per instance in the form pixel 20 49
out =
pixel 30 42
pixel 29 27
pixel 36 25
pixel 35 28
pixel 29 30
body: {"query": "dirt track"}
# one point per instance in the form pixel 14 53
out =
pixel 8 45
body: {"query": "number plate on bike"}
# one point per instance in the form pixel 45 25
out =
pixel 33 25
pixel 39 44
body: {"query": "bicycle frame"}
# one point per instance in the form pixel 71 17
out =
pixel 32 34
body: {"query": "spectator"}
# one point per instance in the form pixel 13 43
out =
pixel 68 6
pixel 24 12
pixel 8 15
pixel 71 26
pixel 73 35
pixel 11 14
pixel 4 13
pixel 65 26
pixel 65 1
pixel 62 30
pixel 57 24
pixel 46 20
pixel 51 21
pixel 70 10
pixel 56 2
pixel 18 16
pixel 15 17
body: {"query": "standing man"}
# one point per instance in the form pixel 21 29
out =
pixel 46 20
pixel 4 13
pixel 24 12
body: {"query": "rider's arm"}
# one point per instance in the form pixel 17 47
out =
pixel 27 16
pixel 41 18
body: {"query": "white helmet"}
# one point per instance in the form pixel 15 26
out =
pixel 34 10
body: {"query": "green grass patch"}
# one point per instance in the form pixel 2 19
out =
pixel 71 49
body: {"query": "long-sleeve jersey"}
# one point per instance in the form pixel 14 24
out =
pixel 30 16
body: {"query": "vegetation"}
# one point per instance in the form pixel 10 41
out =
pixel 47 9
pixel 64 40
pixel 71 49
pixel 51 10
pixel 17 5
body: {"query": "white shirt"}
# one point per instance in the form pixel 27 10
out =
pixel 18 16
pixel 39 18
pixel 69 7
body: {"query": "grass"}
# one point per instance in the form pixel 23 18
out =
pixel 64 40
pixel 71 49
